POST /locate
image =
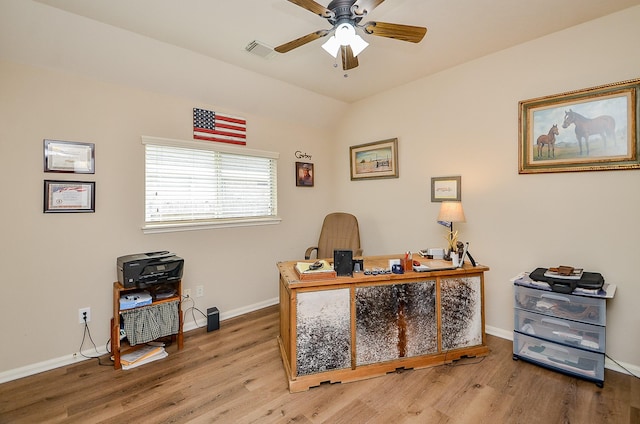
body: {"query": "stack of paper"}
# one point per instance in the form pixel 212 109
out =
pixel 306 267
pixel 142 355
pixel 133 300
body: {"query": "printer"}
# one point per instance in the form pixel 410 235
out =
pixel 144 269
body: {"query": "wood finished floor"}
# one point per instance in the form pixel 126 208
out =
pixel 235 375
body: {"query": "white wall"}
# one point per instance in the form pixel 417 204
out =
pixel 459 122
pixel 464 121
pixel 53 264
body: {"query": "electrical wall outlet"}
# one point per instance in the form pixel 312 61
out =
pixel 199 291
pixel 84 315
pixel 186 292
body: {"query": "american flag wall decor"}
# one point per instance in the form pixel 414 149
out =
pixel 213 126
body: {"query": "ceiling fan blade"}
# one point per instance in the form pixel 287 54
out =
pixel 362 7
pixel 349 61
pixel 413 34
pixel 314 7
pixel 283 48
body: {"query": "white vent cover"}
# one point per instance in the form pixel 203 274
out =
pixel 259 48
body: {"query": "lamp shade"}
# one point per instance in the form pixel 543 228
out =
pixel 451 212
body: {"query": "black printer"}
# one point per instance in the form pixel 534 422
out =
pixel 144 269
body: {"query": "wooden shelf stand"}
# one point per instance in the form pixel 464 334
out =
pixel 118 291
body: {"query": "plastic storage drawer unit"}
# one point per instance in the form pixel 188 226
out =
pixel 567 332
pixel 577 362
pixel 564 306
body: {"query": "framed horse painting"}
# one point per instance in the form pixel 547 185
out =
pixel 584 130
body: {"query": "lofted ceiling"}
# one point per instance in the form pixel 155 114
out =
pixel 458 31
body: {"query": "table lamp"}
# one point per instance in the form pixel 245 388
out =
pixel 451 212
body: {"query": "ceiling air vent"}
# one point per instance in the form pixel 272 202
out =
pixel 259 48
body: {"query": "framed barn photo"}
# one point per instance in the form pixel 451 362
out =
pixel 594 129
pixel 374 160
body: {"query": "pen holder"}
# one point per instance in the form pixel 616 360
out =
pixel 408 264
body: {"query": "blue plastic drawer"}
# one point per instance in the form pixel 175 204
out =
pixel 567 332
pixel 564 306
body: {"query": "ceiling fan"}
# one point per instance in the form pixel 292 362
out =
pixel 345 16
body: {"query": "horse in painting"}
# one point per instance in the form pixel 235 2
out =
pixel 603 125
pixel 550 140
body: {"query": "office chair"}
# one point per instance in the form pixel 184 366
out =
pixel 339 231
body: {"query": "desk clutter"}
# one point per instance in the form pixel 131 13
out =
pixel 141 355
pixel 318 270
pixel 345 265
pixel 133 300
pixel 589 284
pixel 565 279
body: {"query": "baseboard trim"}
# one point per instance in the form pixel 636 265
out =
pixel 73 358
pixel 499 332
pixel 202 321
pixel 49 365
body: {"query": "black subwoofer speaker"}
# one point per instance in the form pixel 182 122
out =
pixel 343 262
pixel 213 319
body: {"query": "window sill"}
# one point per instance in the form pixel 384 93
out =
pixel 194 226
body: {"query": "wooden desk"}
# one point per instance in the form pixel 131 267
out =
pixel 352 328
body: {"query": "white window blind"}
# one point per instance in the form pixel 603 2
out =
pixel 195 183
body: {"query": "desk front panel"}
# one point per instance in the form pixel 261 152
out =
pixel 349 329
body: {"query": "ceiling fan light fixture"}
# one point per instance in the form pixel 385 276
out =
pixel 332 46
pixel 358 45
pixel 345 35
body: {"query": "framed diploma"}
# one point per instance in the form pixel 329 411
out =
pixel 69 196
pixel 69 156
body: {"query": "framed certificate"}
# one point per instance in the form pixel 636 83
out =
pixel 69 196
pixel 69 156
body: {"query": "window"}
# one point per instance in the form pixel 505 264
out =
pixel 193 185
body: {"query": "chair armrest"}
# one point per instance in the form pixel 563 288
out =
pixel 307 253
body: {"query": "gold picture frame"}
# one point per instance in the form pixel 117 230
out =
pixel 594 129
pixel 374 160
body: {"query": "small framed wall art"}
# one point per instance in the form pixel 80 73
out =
pixel 69 196
pixel 446 189
pixel 304 174
pixel 69 156
pixel 374 160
